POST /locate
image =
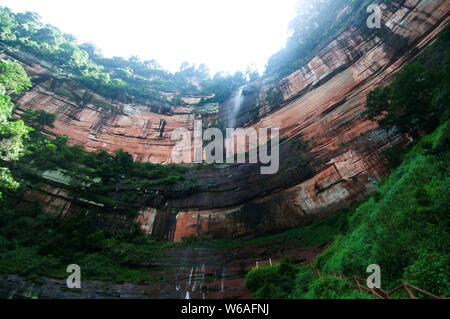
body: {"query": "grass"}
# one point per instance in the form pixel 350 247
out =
pixel 403 228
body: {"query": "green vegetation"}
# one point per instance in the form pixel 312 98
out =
pixel 328 287
pixel 33 243
pixel 274 97
pixel 317 233
pixel 419 97
pixel 316 24
pixel 112 181
pixel 13 80
pixel 223 87
pixel 405 225
pixel 286 281
pixel 403 228
pixel 109 180
pixel 112 77
pixel 272 282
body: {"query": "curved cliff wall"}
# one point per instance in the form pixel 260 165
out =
pixel 322 102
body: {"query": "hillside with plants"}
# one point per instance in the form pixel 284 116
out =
pixel 316 24
pixel 87 173
pixel 115 77
pixel 403 227
pixel 28 236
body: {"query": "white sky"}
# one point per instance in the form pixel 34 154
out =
pixel 226 35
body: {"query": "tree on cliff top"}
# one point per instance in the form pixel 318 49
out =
pixel 418 99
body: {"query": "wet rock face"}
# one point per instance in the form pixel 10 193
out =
pixel 193 273
pixel 322 103
pixel 248 111
pixel 142 128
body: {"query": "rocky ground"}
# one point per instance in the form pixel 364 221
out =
pixel 182 273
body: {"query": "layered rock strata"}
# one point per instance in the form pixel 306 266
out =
pixel 322 103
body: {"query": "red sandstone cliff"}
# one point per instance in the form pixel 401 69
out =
pixel 322 102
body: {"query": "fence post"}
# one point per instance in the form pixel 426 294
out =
pixel 357 283
pixel 387 294
pixel 409 291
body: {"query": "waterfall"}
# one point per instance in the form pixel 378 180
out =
pixel 222 286
pixel 195 278
pixel 236 104
pixel 202 279
pixel 190 277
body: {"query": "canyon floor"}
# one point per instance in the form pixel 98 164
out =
pixel 180 273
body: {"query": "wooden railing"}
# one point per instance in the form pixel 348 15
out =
pixel 263 264
pixel 355 283
pixel 379 293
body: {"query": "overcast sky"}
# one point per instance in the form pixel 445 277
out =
pixel 226 35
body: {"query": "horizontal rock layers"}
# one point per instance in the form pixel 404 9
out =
pixel 321 103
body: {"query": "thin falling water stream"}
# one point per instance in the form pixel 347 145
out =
pixel 222 284
pixel 236 104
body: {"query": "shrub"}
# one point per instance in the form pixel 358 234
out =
pixel 278 279
pixel 329 287
pixel 269 291
pixel 304 279
pixel 430 272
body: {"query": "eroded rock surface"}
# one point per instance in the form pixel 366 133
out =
pixel 193 273
pixel 322 103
